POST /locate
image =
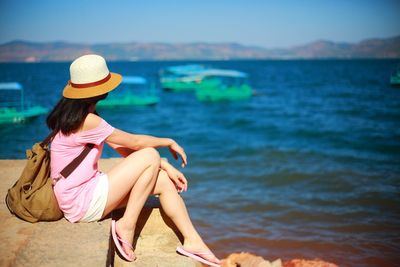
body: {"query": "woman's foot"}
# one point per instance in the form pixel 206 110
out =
pixel 197 246
pixel 125 232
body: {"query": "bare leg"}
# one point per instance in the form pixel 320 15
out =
pixel 175 208
pixel 134 178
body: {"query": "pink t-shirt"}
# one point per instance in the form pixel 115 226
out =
pixel 75 192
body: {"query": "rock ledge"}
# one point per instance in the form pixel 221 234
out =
pixel 82 244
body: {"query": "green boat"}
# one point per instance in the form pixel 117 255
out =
pixel 182 77
pixel 133 91
pixel 395 78
pixel 220 85
pixel 13 107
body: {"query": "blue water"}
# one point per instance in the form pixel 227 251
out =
pixel 309 167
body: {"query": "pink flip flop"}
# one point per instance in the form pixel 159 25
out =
pixel 118 241
pixel 197 256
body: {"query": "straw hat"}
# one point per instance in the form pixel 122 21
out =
pixel 90 77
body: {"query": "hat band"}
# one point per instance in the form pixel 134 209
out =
pixel 86 85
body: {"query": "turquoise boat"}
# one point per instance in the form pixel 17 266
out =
pixel 182 77
pixel 133 91
pixel 13 107
pixel 221 85
pixel 395 78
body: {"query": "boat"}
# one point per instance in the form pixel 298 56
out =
pixel 395 78
pixel 220 84
pixel 181 77
pixel 13 107
pixel 133 91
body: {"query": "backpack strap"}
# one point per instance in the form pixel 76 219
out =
pixel 75 163
pixel 48 139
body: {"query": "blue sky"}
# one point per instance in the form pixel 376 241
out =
pixel 265 23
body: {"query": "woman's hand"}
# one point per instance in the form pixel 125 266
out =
pixel 176 150
pixel 176 176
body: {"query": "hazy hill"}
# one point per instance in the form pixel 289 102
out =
pixel 24 51
pixel 371 48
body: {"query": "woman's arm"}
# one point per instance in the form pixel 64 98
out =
pixel 123 151
pixel 136 142
pixel 176 176
pixel 124 142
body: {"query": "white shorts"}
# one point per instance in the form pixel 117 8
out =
pixel 98 202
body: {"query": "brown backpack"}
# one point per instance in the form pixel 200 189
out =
pixel 32 198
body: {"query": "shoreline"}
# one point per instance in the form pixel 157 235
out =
pixel 21 244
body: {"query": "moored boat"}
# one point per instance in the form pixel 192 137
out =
pixel 395 78
pixel 182 77
pixel 133 91
pixel 219 85
pixel 13 107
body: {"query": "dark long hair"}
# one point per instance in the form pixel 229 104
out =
pixel 68 115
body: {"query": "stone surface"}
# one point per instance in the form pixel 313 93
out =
pixel 245 259
pixel 83 244
pixel 48 243
pixel 308 263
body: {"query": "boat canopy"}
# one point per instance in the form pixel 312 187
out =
pixel 186 69
pixel 133 80
pixel 223 73
pixel 10 86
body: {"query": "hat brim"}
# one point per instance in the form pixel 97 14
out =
pixel 77 93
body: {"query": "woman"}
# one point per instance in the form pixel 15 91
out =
pixel 87 194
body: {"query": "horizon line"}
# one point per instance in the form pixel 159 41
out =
pixel 199 42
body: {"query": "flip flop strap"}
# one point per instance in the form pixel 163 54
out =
pixel 125 242
pixel 203 253
pixel 199 253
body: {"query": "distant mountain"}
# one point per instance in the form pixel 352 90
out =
pixel 24 51
pixel 371 48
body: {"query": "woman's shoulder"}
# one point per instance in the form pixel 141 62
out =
pixel 91 122
pixel 93 130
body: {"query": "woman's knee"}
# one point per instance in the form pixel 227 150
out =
pixel 152 154
pixel 164 183
pixel 149 154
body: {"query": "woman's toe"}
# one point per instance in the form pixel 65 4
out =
pixel 129 252
pixel 214 259
pixel 211 257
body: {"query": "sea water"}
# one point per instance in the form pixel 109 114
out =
pixel 308 167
